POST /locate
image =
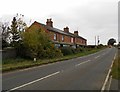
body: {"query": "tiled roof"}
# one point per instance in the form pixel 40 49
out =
pixel 59 31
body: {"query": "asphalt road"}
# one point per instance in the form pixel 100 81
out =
pixel 82 73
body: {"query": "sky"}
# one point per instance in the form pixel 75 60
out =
pixel 89 17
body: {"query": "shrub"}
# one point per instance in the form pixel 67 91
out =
pixel 67 50
pixel 50 53
pixel 38 45
pixel 80 49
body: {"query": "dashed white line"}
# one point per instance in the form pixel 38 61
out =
pixel 97 57
pixel 83 62
pixel 34 81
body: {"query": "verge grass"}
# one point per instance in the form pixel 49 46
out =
pixel 18 63
pixel 116 67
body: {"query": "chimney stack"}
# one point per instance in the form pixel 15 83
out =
pixel 66 29
pixel 49 22
pixel 76 33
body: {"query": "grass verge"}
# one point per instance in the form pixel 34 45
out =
pixel 14 64
pixel 116 67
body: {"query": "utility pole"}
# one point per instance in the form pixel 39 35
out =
pixel 98 40
pixel 95 40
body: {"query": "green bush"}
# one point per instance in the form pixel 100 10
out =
pixel 70 50
pixel 58 53
pixel 36 44
pixel 50 53
pixel 67 50
pixel 80 49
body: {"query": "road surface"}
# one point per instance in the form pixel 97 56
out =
pixel 82 73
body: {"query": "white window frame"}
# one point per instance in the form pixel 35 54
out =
pixel 62 37
pixel 71 39
pixel 55 36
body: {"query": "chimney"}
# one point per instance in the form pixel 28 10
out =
pixel 76 33
pixel 66 29
pixel 49 22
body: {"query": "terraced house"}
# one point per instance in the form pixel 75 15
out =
pixel 60 37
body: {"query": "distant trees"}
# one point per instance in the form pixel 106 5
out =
pixel 111 41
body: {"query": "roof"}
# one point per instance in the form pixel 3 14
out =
pixel 59 31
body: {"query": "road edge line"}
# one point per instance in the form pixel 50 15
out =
pixel 110 83
pixel 108 75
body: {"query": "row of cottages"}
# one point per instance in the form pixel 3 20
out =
pixel 59 37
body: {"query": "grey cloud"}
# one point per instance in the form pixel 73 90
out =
pixel 91 20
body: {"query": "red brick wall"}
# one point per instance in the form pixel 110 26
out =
pixel 80 41
pixel 67 39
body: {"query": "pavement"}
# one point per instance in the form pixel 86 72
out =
pixel 82 73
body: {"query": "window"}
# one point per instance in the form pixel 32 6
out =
pixel 55 36
pixel 71 40
pixel 62 38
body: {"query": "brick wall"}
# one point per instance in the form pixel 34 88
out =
pixel 67 39
pixel 80 41
pixel 59 36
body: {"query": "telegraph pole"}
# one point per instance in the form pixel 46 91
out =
pixel 98 40
pixel 95 40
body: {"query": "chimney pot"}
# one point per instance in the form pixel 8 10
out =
pixel 76 33
pixel 49 22
pixel 66 29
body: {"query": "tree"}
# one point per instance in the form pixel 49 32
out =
pixel 111 41
pixel 15 33
pixel 20 22
pixel 12 34
pixel 18 26
pixel 4 34
pixel 38 45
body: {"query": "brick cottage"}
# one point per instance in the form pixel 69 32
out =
pixel 59 37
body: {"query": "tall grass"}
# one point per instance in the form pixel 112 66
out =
pixel 116 67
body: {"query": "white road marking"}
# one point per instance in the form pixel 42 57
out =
pixel 110 83
pixel 108 75
pixel 115 56
pixel 83 62
pixel 35 67
pixel 105 82
pixel 34 81
pixel 97 57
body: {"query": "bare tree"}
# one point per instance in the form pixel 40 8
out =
pixel 5 34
